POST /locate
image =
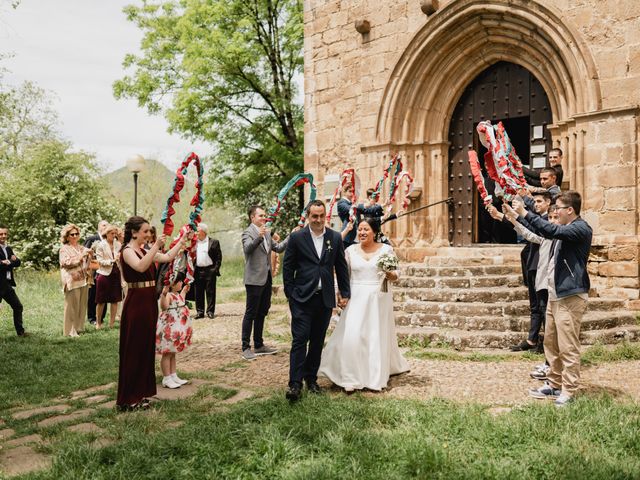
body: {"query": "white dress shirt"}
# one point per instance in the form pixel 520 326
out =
pixel 6 255
pixel 317 242
pixel 202 253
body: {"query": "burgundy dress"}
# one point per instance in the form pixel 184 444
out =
pixel 137 376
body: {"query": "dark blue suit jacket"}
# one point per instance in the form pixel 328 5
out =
pixel 7 268
pixel 302 269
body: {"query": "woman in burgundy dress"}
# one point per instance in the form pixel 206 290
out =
pixel 137 378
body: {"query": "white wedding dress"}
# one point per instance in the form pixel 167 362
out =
pixel 363 349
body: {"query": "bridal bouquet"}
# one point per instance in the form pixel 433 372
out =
pixel 387 262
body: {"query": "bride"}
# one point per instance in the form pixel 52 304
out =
pixel 363 350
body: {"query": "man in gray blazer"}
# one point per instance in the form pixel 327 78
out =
pixel 257 245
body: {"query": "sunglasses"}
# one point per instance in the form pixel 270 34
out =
pixel 74 234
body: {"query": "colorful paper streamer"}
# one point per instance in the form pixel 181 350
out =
pixel 298 180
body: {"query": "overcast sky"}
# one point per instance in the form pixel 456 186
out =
pixel 74 49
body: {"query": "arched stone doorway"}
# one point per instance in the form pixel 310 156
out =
pixel 503 92
pixel 458 43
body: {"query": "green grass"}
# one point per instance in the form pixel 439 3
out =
pixel 594 355
pixel 335 437
pixel 598 353
pixel 46 365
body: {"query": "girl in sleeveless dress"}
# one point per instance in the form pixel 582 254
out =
pixel 174 330
pixel 136 375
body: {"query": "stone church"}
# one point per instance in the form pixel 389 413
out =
pixel 416 76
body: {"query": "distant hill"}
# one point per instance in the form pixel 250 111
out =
pixel 154 186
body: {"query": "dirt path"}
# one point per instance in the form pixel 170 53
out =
pixel 217 349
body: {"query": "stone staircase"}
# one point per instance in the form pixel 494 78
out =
pixel 474 298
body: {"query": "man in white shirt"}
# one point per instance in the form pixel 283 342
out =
pixel 207 270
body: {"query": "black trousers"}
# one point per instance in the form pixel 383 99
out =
pixel 309 323
pixel 538 306
pixel 8 294
pixel 205 285
pixel 258 305
pixel 91 303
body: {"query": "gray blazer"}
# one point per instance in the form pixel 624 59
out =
pixel 256 257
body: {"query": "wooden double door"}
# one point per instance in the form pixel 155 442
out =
pixel 503 92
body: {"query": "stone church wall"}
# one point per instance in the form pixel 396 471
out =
pixel 367 95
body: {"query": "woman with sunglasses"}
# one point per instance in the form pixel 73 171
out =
pixel 76 279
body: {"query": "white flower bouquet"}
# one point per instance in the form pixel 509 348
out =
pixel 387 262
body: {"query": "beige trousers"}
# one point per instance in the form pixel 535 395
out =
pixel 562 342
pixel 75 309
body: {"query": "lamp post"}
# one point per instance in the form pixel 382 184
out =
pixel 135 165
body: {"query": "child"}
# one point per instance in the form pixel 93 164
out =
pixel 174 330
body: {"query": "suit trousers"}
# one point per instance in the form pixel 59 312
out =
pixel 537 305
pixel 562 342
pixel 8 294
pixel 257 308
pixel 309 323
pixel 205 285
pixel 75 309
pixel 91 303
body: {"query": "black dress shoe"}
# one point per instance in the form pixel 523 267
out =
pixel 210 315
pixel 313 387
pixel 294 393
pixel 522 347
pixel 198 316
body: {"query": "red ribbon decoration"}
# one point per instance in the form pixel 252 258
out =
pixel 476 171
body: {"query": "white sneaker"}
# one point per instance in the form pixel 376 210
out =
pixel 563 400
pixel 178 380
pixel 169 382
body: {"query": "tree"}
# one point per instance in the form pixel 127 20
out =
pixel 224 71
pixel 27 117
pixel 48 188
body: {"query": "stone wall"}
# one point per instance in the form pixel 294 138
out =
pixel 393 89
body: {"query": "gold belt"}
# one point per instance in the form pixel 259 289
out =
pixel 147 284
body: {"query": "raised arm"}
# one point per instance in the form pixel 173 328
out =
pixel 70 259
pixel 250 244
pixel 102 259
pixel 574 232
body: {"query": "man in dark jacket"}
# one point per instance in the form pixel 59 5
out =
pixel 532 176
pixel 568 293
pixel 537 301
pixel 344 210
pixel 8 262
pixel 313 255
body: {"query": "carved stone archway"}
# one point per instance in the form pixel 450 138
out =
pixel 454 46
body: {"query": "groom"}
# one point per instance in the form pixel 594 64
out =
pixel 311 257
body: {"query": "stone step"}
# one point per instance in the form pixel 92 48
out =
pixel 471 261
pixel 466 295
pixel 420 270
pixel 482 308
pixel 512 281
pixel 628 333
pixel 592 321
pixel 480 250
pixel 461 339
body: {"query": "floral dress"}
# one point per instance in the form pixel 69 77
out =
pixel 174 330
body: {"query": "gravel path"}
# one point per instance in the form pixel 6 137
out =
pixel 216 349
